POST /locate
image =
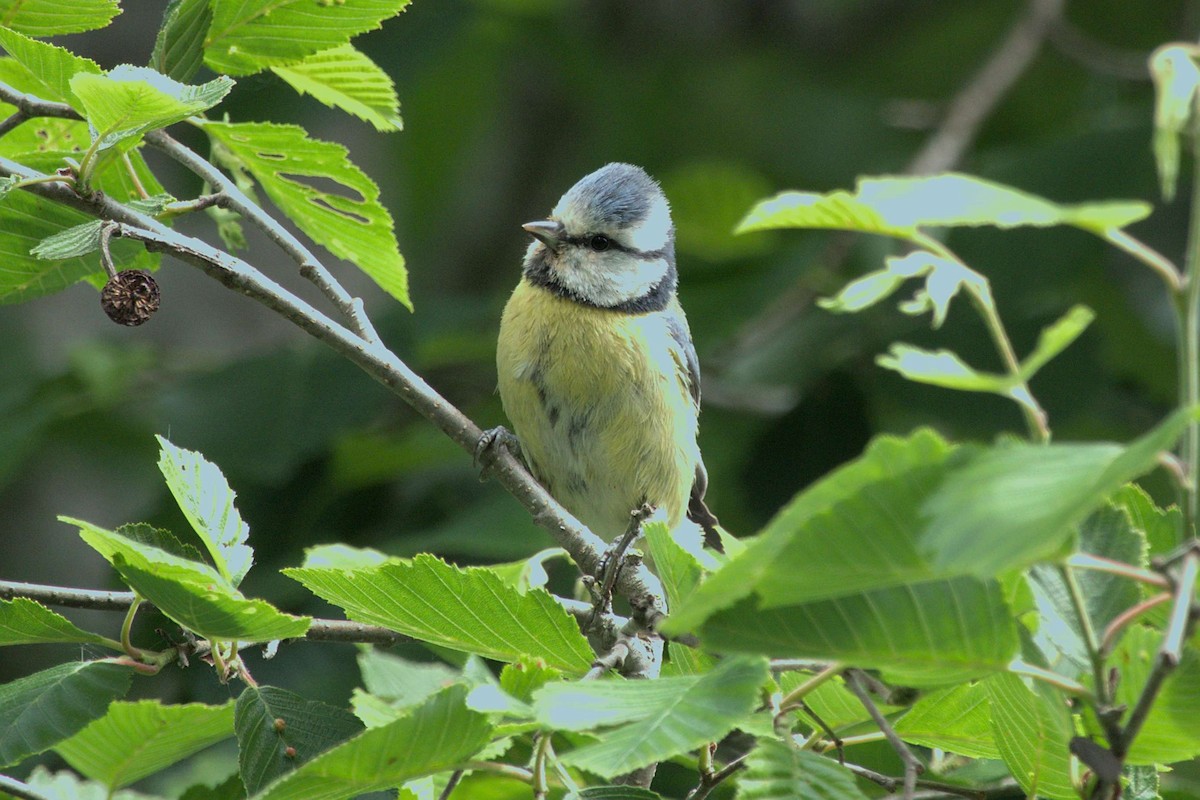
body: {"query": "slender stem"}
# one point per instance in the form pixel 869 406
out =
pixel 541 750
pixel 451 784
pixel 126 628
pixel 1100 564
pixel 21 790
pixel 892 784
pixel 1103 701
pixel 497 768
pixel 912 765
pixel 1189 347
pixel 1127 616
pixel 1018 667
pixel 715 779
pixel 850 741
pixel 1162 266
pixel 133 176
pixel 795 696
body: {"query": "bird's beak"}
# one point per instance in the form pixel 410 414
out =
pixel 548 231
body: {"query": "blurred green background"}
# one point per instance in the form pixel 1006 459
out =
pixel 506 103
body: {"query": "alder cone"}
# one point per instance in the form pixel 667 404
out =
pixel 130 297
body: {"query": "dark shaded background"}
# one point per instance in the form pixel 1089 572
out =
pixel 506 103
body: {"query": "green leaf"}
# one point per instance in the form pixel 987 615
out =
pixel 657 719
pixel 1107 532
pixel 521 680
pixel 901 206
pixel 836 705
pixel 192 594
pixel 50 66
pixel 1172 730
pixel 943 368
pixel 403 682
pixel 230 789
pixel 75 241
pixel 468 610
pixel 270 720
pixel 1028 498
pixel 54 17
pixel 943 279
pixel 207 501
pixel 957 719
pixel 24 621
pixel 349 222
pixel 435 736
pixel 1056 338
pixel 814 547
pixel 129 102
pixel 343 556
pixel 775 771
pixel 676 567
pixel 134 740
pixel 66 785
pixel 613 793
pixel 1161 528
pixel 838 210
pixel 919 634
pixel 40 710
pixel 1176 82
pixel 249 36
pixel 345 78
pixel 1032 729
pixel 179 46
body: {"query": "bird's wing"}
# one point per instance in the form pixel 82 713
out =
pixel 685 355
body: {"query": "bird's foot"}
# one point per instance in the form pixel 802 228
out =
pixel 489 442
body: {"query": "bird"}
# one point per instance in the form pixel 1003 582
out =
pixel 597 372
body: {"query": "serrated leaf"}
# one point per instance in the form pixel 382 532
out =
pixel 55 17
pixel 613 793
pixel 1171 732
pixel 249 36
pixel 901 206
pixel 1176 82
pixel 401 681
pixel 775 771
pixel 919 634
pixel 957 719
pixel 129 101
pixel 813 548
pixel 207 501
pixel 943 280
pixel 433 737
pixel 350 222
pixel 677 568
pixel 40 710
pixel 52 67
pixel 133 740
pixel 1032 729
pixel 308 727
pixel 657 719
pixel 1107 532
pixel 24 621
pixel 194 595
pixel 522 679
pixel 1161 528
pixel 179 46
pixel 345 78
pixel 75 241
pixel 468 610
pixel 343 556
pixel 1028 498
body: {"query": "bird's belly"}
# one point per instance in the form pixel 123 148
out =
pixel 603 419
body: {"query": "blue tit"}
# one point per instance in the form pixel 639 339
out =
pixel 597 371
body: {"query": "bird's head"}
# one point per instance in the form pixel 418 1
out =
pixel 609 242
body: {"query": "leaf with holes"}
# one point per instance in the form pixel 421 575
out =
pixel 133 740
pixel 349 221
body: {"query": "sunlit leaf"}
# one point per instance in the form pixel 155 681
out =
pixel 1056 338
pixel 207 501
pixel 24 621
pixel 943 368
pixel 656 719
pixel 468 610
pixel 52 67
pixel 55 17
pixel 293 169
pixel 249 36
pixel 958 720
pixel 1176 82
pixel 133 740
pixel 345 78
pixel 1032 730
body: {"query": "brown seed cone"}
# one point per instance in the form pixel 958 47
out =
pixel 130 297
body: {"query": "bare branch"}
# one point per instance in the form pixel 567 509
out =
pixel 912 765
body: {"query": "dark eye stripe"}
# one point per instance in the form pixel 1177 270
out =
pixel 613 244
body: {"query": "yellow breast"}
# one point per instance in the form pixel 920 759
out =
pixel 600 402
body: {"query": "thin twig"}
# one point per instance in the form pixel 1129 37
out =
pixel 713 780
pixel 1108 640
pixel 638 585
pixel 912 765
pixel 455 777
pixel 1101 564
pixel 1095 654
pixel 892 784
pixel 12 121
pixel 20 790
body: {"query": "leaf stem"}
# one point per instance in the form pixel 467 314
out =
pixel 1019 667
pixel 1103 702
pixel 796 696
pixel 127 627
pixel 1100 564
pixel 541 751
pixel 1189 346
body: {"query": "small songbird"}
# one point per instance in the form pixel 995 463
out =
pixel 597 370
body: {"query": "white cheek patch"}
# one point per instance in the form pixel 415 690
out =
pixel 654 231
pixel 609 278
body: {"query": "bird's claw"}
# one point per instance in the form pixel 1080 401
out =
pixel 491 439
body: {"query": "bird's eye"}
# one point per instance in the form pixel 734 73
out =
pixel 599 242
